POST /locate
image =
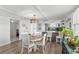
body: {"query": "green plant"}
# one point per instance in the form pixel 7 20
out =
pixel 77 41
pixel 67 31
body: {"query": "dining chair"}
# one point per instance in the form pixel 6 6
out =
pixel 59 38
pixel 42 43
pixel 49 35
pixel 26 43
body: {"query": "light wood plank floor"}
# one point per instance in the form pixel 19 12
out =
pixel 15 48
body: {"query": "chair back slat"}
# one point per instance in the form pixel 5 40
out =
pixel 49 34
pixel 44 39
pixel 25 39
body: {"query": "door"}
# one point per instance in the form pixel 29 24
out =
pixel 13 31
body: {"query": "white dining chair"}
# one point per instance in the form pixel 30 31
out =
pixel 59 38
pixel 42 43
pixel 49 35
pixel 26 43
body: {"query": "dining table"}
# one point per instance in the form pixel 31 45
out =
pixel 36 38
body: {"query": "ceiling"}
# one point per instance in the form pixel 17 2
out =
pixel 45 12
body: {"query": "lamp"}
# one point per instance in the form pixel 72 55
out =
pixel 33 22
pixel 12 20
pixel 34 19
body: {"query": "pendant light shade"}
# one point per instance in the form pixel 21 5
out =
pixel 34 19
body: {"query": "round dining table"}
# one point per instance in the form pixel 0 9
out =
pixel 36 38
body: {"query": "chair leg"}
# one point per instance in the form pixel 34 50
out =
pixel 50 39
pixel 22 50
pixel 56 40
pixel 43 49
pixel 28 51
pixel 35 48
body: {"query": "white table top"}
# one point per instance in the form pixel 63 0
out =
pixel 35 38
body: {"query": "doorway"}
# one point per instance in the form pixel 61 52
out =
pixel 14 30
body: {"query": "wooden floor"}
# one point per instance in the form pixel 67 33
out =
pixel 15 48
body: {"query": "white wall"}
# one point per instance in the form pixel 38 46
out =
pixel 24 27
pixel 5 17
pixel 76 16
pixel 4 30
pixel 76 22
